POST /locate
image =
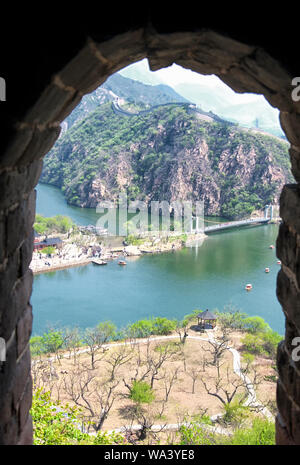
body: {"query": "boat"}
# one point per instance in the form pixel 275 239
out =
pixel 121 262
pixel 271 247
pixel 267 270
pixel 248 287
pixel 99 262
pixel 278 262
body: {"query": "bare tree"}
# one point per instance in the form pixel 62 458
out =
pixel 117 358
pixel 169 380
pixel 95 397
pixel 218 346
pixel 194 374
pixel 181 330
pixel 157 358
pixel 95 338
pixel 72 341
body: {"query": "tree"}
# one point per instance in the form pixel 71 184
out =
pixel 96 337
pixel 72 341
pixel 141 393
pixel 57 424
pixel 53 342
pixel 94 396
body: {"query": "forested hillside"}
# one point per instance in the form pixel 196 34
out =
pixel 169 153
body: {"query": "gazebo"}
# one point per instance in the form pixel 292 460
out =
pixel 207 317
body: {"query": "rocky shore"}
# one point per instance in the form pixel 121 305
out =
pixel 83 249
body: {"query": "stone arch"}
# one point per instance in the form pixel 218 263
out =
pixel 244 68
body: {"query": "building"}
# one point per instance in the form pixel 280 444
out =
pixel 48 242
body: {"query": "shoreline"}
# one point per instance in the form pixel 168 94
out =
pixel 108 254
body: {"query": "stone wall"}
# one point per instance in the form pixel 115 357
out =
pixel 33 132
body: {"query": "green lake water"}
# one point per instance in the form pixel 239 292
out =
pixel 172 284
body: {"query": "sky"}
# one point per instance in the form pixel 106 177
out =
pixel 175 75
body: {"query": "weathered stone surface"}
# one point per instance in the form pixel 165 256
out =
pixel 290 206
pixel 17 147
pixel 289 298
pixel 15 184
pixel 282 436
pixel 121 50
pixel 18 300
pixel 25 404
pixel 19 223
pixel 286 246
pixel 22 375
pixel 24 328
pixel 40 144
pixel 25 251
pixel 295 162
pixel 26 434
pixel 290 123
pixel 284 405
pixel 51 103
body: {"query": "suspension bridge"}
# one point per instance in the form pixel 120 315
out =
pixel 235 224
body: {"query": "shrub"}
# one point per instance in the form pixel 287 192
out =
pixel 56 424
pixel 142 328
pixel 261 433
pixel 141 392
pixel 163 326
pixel 255 324
pixel 48 250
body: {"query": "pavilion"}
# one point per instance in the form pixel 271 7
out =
pixel 207 317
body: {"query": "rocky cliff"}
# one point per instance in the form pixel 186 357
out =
pixel 169 153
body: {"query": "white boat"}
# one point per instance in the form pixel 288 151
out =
pixel 99 262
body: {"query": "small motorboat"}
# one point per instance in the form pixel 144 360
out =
pixel 278 262
pixel 248 287
pixel 271 247
pixel 267 270
pixel 99 262
pixel 122 262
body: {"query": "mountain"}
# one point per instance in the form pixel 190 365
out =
pixel 170 152
pixel 211 94
pixel 136 95
pixel 257 113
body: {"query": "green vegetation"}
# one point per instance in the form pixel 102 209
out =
pixel 58 424
pixel 141 393
pixel 154 145
pixel 144 328
pixel 48 250
pixel 260 433
pixel 51 225
pixel 259 338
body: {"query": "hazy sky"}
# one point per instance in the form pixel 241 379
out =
pixel 175 75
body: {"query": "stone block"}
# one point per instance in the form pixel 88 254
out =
pixel 25 404
pixel 290 206
pixel 26 435
pixel 41 142
pixel 16 148
pixel 86 71
pixel 290 123
pixel 284 405
pixel 22 375
pixel 50 104
pixel 19 223
pixel 14 184
pixel 295 162
pixel 23 330
pixel 282 436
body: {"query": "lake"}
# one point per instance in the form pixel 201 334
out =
pixel 172 284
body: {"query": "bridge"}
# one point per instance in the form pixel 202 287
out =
pixel 235 224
